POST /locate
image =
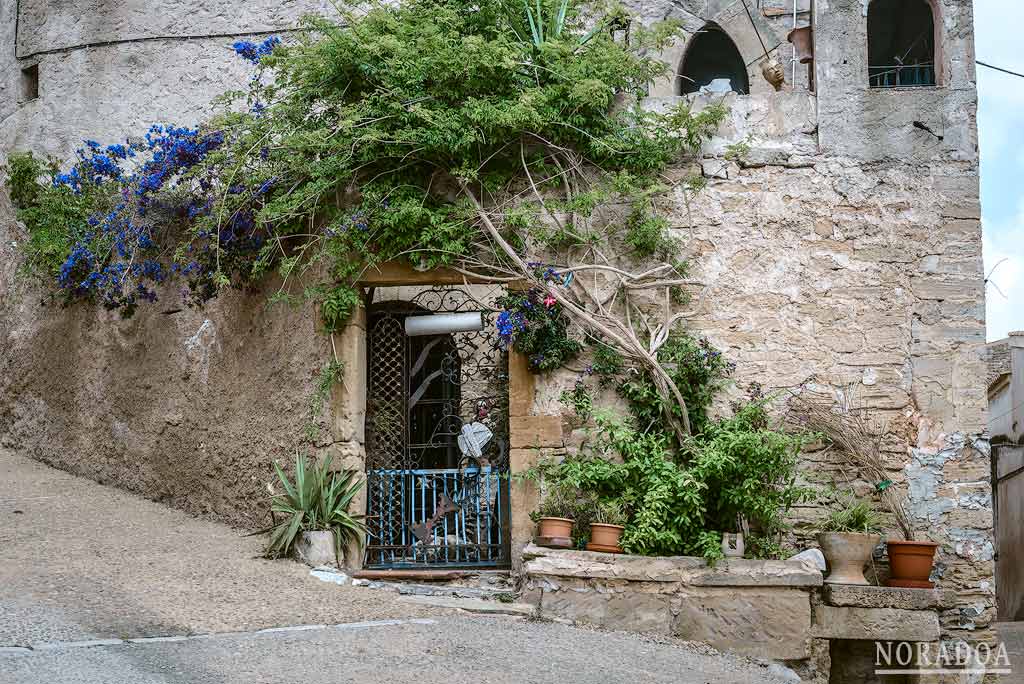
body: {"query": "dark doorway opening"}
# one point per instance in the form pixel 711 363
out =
pixel 710 57
pixel 901 44
pixel 30 83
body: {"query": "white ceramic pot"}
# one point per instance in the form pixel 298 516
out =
pixel 316 549
pixel 847 553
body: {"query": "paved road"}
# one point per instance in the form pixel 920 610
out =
pixel 1012 634
pixel 89 575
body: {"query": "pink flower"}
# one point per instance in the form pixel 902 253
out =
pixel 549 301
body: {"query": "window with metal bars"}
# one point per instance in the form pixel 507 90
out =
pixel 901 44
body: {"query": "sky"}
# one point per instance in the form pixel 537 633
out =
pixel 997 26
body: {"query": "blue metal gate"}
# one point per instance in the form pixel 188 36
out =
pixel 433 501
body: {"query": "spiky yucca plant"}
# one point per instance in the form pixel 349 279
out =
pixel 317 500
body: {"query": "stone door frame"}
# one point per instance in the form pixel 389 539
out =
pixel 530 435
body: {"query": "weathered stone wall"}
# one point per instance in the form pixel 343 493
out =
pixel 846 245
pixel 845 249
pixel 760 609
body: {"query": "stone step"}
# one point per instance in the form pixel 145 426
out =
pixel 472 605
pixel 492 593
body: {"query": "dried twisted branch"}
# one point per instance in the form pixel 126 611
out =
pixel 614 327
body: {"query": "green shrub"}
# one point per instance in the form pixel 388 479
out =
pixel 610 513
pixel 55 217
pixel 698 370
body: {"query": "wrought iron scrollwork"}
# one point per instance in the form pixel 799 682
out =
pixel 425 394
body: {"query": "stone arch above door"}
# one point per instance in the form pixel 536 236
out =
pixel 731 18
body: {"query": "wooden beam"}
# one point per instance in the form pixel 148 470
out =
pixel 400 273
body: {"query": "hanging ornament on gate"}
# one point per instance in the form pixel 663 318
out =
pixel 474 438
pixel 424 531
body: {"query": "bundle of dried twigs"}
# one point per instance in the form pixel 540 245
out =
pixel 841 419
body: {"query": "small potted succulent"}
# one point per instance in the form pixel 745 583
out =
pixel 607 527
pixel 847 539
pixel 555 518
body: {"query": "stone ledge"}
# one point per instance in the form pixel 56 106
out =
pixel 846 595
pixel 875 624
pixel 540 561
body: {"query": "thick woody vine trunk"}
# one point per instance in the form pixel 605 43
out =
pixel 662 380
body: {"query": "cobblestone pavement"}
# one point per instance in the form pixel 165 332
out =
pixel 97 585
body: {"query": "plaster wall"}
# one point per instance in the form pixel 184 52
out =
pixel 46 25
pixel 189 407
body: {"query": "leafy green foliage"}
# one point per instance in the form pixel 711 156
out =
pixel 739 468
pixel 698 370
pixel 317 499
pixel 607 364
pixel 338 304
pixel 580 399
pixel 610 513
pixel 854 516
pixel 328 376
pixel 749 469
pixel 535 325
pixel 55 217
pixel 368 126
pixel 766 547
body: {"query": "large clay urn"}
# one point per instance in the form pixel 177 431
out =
pixel 847 553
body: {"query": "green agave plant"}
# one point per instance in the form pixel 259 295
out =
pixel 318 499
pixel 854 516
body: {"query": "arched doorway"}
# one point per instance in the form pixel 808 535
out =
pixel 710 60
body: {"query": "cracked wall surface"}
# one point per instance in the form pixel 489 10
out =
pixel 844 245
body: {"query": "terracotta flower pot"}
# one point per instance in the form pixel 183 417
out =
pixel 803 40
pixel 847 553
pixel 910 563
pixel 555 532
pixel 604 537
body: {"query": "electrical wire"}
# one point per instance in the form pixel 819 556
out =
pixel 1003 415
pixel 992 66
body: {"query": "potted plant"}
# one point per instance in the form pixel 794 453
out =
pixel 607 527
pixel 860 441
pixel 555 518
pixel 317 525
pixel 910 563
pixel 847 538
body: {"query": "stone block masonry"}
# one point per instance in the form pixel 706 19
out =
pixel 756 608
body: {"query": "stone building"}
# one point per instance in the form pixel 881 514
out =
pixel 1006 425
pixel 843 245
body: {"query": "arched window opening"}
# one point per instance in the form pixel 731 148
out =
pixel 901 44
pixel 713 64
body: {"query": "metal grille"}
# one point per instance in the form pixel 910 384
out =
pixel 902 75
pixel 430 501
